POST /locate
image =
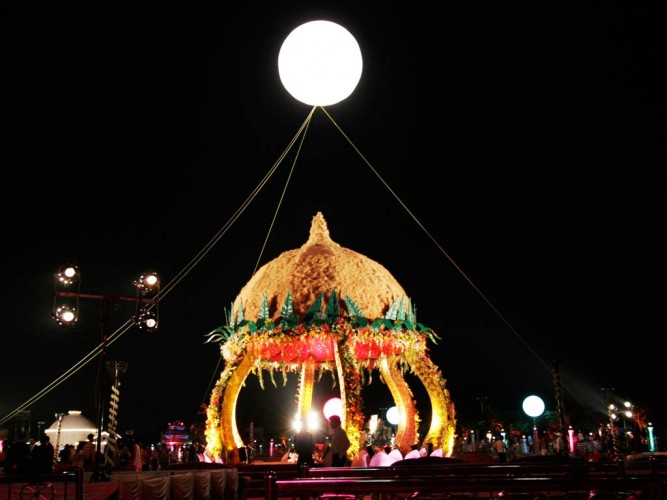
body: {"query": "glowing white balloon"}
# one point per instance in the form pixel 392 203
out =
pixel 333 406
pixel 533 406
pixel 320 63
pixel 393 415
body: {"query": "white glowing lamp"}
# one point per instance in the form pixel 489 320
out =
pixel 320 63
pixel 333 406
pixel 313 422
pixel 533 406
pixel 392 415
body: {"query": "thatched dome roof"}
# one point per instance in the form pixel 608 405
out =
pixel 320 266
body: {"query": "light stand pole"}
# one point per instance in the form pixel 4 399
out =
pixel 611 413
pixel 533 406
pixel 611 409
pixel 629 412
pixel 65 312
pixel 98 473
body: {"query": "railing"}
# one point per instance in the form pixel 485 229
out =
pixel 644 486
pixel 584 480
pixel 470 470
pixel 66 485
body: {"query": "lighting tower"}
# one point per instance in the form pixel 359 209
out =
pixel 66 303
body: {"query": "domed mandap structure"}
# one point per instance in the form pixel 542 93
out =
pixel 325 308
pixel 71 428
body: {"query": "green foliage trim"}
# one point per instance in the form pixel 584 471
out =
pixel 400 316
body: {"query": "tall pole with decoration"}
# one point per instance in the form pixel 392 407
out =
pixel 115 369
pixel 560 411
pixel 56 448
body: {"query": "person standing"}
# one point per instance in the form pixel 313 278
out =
pixel 304 447
pixel 501 449
pixel 339 442
pixel 42 456
pixel 17 457
pixel 135 455
pixel 88 453
pixel 163 456
pixel 193 452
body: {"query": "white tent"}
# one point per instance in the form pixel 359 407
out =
pixel 73 428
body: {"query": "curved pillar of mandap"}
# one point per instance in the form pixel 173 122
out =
pixel 306 383
pixel 228 430
pixel 442 429
pixel 402 395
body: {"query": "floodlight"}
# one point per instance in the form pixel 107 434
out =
pixel 147 283
pixel 147 320
pixel 68 275
pixel 65 315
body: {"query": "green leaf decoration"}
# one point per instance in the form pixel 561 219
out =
pixel 333 309
pixel 401 310
pixel 252 327
pixel 380 322
pixel 220 334
pixel 240 316
pixel 315 307
pixel 264 310
pixel 294 322
pixel 411 316
pixel 429 333
pixel 287 310
pixel 290 322
pixel 319 319
pixel 352 308
pixel 358 322
pixel 229 316
pixel 391 313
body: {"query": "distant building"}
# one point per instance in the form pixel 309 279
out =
pixel 176 438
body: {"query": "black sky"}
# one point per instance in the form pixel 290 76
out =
pixel 527 139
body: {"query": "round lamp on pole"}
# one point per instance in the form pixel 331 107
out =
pixel 533 406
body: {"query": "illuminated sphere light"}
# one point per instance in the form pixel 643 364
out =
pixel 333 406
pixel 533 406
pixel 392 415
pixel 320 63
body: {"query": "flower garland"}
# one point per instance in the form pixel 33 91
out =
pixel 285 350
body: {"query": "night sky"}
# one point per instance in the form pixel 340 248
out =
pixel 527 140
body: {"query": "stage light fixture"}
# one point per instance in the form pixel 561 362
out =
pixel 147 320
pixel 68 275
pixel 147 283
pixel 65 312
pixel 65 315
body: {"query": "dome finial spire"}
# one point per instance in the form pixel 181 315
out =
pixel 319 232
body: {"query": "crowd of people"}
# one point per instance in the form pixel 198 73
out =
pixel 32 456
pixel 29 456
pixel 129 453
